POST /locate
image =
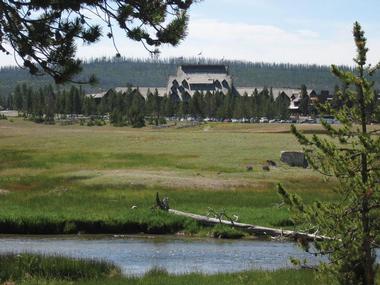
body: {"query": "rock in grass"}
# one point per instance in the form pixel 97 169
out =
pixel 3 192
pixel 294 158
pixel 271 163
pixel 266 168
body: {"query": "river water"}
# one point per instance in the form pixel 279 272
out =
pixel 137 255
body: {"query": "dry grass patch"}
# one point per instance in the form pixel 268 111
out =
pixel 167 179
pixel 4 192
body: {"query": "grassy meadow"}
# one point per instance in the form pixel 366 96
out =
pixel 69 179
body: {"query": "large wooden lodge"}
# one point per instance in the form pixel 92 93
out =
pixel 201 78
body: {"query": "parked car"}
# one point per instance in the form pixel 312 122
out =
pixel 263 120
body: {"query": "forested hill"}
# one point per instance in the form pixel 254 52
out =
pixel 154 73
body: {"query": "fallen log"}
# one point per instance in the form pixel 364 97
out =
pixel 253 229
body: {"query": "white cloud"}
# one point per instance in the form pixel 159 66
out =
pixel 231 40
pixel 267 43
pixel 308 34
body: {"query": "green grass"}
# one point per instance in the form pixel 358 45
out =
pixel 37 269
pixel 30 269
pixel 157 277
pixel 23 267
pixel 66 179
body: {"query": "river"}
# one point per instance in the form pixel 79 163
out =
pixel 137 255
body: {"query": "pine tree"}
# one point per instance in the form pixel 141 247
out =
pixel 185 105
pixel 238 108
pixel 350 154
pixel 246 104
pixel 157 108
pixel 255 95
pixel 197 105
pixel 153 106
pixel 10 102
pixel 228 106
pixel 44 33
pixel 89 106
pixel 305 101
pixel 209 105
pixel 50 105
pixel 76 100
pixel 18 98
pixel 282 103
pixel 136 111
pixel 262 102
pixel 69 105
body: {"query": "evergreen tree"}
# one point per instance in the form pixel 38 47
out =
pixel 262 102
pixel 69 104
pixel 245 106
pixel 255 95
pixel 305 101
pixel 50 105
pixel 89 107
pixel 18 98
pixel 136 111
pixel 197 105
pixel 10 102
pixel 336 102
pixel 238 108
pixel 271 113
pixel 172 105
pixel 282 103
pixel 157 107
pixel 153 106
pixel 350 154
pixel 44 33
pixel 75 94
pixel 38 104
pixel 61 102
pixel 210 106
pixel 185 105
pixel 228 106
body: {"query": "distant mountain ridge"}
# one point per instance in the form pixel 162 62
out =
pixel 154 73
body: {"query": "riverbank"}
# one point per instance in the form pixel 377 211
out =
pixel 76 179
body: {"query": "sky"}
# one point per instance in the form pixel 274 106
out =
pixel 281 31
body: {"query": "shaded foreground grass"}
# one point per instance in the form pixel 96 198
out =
pixel 22 267
pixel 31 269
pixel 37 269
pixel 56 179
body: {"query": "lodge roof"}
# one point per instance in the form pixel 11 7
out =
pixel 204 68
